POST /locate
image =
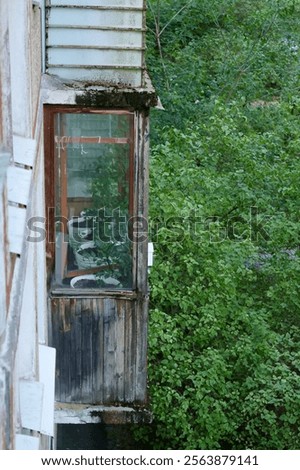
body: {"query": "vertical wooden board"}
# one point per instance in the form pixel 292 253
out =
pixel 121 306
pixel 86 348
pixel 73 347
pixel 78 349
pixel 65 339
pixel 54 342
pixel 141 351
pixel 61 344
pixel 143 183
pixel 109 372
pixel 94 346
pixel 136 190
pixel 3 256
pixel 97 351
pixel 130 338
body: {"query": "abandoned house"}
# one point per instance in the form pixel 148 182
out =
pixel 74 142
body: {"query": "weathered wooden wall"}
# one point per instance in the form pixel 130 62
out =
pixel 101 346
pixel 24 422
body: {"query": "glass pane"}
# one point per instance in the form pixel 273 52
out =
pixel 93 194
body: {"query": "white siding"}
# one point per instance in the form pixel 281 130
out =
pixel 108 3
pixel 98 41
pixel 19 60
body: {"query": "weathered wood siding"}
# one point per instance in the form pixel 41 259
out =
pixel 101 346
pixel 26 398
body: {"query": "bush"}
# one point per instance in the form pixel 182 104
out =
pixel 224 339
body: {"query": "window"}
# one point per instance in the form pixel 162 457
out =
pixel 90 184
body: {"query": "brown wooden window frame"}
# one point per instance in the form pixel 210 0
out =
pixel 50 111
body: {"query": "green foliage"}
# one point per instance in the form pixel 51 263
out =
pixel 224 361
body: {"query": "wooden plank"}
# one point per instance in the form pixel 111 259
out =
pixel 66 334
pixel 97 357
pixel 47 378
pixel 86 347
pixel 74 350
pixel 109 385
pixel 31 401
pixel 129 353
pixel 54 342
pixel 120 350
pixel 63 345
pixel 63 185
pixel 134 196
pixel 140 385
pixel 24 150
pixel 4 265
pixel 16 228
pixel 58 344
pixel 77 350
pixel 50 173
pixel 142 203
pixel 18 185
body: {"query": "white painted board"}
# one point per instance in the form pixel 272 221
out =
pixel 95 18
pixel 94 37
pixel 23 442
pixel 16 228
pixel 18 184
pixel 107 3
pixel 132 78
pixel 91 57
pixel 24 150
pixel 47 378
pixel 31 400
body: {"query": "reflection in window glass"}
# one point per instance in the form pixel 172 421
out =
pixel 93 193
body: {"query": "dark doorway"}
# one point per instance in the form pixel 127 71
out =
pixel 94 437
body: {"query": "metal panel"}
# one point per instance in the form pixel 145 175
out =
pixel 97 42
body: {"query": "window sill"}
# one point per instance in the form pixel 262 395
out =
pixel 94 293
